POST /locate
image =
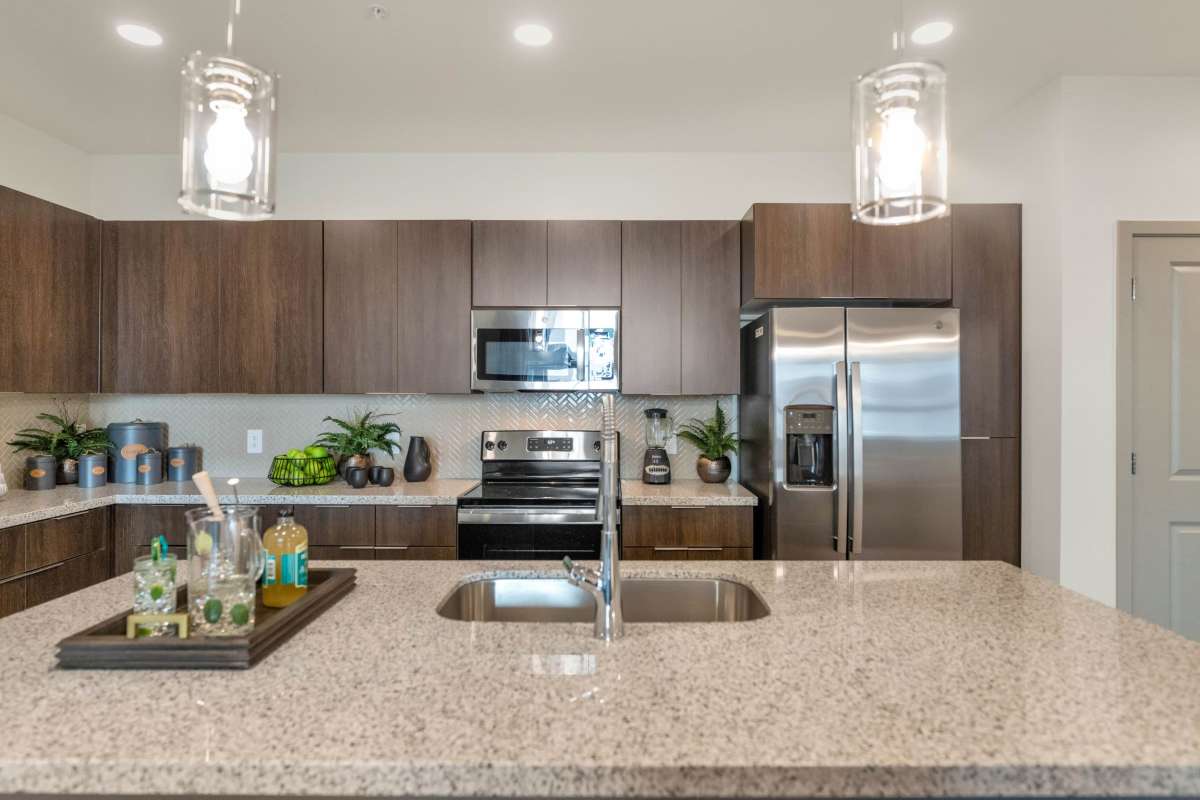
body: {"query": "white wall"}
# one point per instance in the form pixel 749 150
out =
pixel 37 164
pixel 498 186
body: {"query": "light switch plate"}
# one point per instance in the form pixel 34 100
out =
pixel 254 440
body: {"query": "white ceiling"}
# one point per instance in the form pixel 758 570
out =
pixel 620 75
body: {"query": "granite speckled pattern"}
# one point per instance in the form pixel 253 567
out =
pixel 19 506
pixel 867 679
pixel 686 492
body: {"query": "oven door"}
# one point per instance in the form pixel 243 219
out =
pixel 536 533
pixel 534 350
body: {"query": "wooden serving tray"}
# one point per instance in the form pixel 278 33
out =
pixel 105 646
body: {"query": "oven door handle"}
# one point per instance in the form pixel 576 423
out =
pixel 524 515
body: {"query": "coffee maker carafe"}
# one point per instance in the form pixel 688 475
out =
pixel 656 466
pixel 809 445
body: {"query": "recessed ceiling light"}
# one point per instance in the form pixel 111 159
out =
pixel 533 35
pixel 140 34
pixel 932 32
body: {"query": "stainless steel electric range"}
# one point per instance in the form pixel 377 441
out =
pixel 537 499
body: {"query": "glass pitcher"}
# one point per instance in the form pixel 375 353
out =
pixel 225 560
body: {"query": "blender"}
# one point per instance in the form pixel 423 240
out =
pixel 656 466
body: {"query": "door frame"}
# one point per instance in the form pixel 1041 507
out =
pixel 1127 231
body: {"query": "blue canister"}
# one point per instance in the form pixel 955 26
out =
pixel 149 468
pixel 39 473
pixel 128 440
pixel 183 461
pixel 93 470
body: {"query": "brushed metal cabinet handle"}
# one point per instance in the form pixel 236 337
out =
pixel 386 547
pixel 328 505
pixel 670 549
pixel 698 508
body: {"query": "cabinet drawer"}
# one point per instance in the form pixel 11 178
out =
pixel 12 596
pixel 12 551
pixel 343 553
pixel 416 553
pixel 70 576
pixel 134 526
pixel 416 526
pixel 337 525
pixel 54 540
pixel 688 553
pixel 687 526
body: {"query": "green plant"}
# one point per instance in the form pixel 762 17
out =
pixel 711 437
pixel 70 440
pixel 361 434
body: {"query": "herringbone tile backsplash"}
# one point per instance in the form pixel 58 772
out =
pixel 450 423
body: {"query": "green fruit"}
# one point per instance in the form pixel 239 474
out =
pixel 316 451
pixel 212 611
pixel 203 544
pixel 294 453
pixel 156 592
pixel 239 614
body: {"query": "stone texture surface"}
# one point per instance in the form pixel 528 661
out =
pixel 19 506
pixel 686 492
pixel 867 679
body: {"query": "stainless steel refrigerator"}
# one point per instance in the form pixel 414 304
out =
pixel 850 425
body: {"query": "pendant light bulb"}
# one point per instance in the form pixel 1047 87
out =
pixel 229 151
pixel 901 153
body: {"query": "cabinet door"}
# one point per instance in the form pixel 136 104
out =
pixel 711 340
pixel 434 314
pixel 416 553
pixel 348 552
pixel 70 576
pixel 134 526
pixel 687 526
pixel 991 477
pixel 49 297
pixel 271 309
pixel 53 540
pixel 987 290
pixel 361 313
pixel 338 525
pixel 688 553
pixel 903 262
pixel 796 251
pixel 12 551
pixel 399 527
pixel 651 307
pixel 509 263
pixel 12 596
pixel 583 263
pixel 161 299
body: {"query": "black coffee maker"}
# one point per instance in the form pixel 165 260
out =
pixel 809 445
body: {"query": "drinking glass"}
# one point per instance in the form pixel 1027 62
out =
pixel 154 589
pixel 225 561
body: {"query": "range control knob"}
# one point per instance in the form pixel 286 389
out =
pixel 503 445
pixel 489 445
pixel 596 446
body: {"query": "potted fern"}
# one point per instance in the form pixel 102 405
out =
pixel 66 441
pixel 713 439
pixel 357 437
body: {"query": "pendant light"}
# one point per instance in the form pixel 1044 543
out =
pixel 228 135
pixel 901 150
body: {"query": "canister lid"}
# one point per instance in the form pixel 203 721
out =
pixel 136 425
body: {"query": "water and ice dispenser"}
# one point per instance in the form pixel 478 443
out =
pixel 809 445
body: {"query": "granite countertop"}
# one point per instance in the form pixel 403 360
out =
pixel 686 492
pixel 20 506
pixel 868 678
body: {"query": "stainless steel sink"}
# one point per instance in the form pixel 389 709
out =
pixel 643 600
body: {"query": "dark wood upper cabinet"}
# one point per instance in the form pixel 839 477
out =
pixel 161 299
pixel 271 308
pixel 651 307
pixel 434 354
pixel 709 323
pixel 903 262
pixel 991 479
pixel 361 315
pixel 509 263
pixel 795 251
pixel 987 290
pixel 49 297
pixel 583 263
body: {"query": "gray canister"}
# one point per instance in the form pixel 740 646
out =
pixel 149 467
pixel 39 473
pixel 93 470
pixel 128 440
pixel 183 461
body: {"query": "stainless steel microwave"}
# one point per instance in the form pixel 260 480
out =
pixel 545 350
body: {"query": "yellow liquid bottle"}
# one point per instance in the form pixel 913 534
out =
pixel 285 577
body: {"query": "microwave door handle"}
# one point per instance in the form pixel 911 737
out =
pixel 842 436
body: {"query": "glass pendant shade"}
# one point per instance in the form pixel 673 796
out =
pixel 228 138
pixel 901 152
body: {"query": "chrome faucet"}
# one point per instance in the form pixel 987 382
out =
pixel 605 584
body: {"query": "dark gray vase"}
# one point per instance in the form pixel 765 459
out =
pixel 713 470
pixel 416 464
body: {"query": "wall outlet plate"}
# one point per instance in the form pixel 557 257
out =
pixel 254 440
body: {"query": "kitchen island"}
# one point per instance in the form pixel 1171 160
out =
pixel 867 678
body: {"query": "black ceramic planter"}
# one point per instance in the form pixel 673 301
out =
pixel 416 464
pixel 356 477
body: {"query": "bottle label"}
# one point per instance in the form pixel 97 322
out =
pixel 293 567
pixel 270 571
pixel 302 565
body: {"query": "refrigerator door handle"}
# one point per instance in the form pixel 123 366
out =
pixel 856 458
pixel 841 536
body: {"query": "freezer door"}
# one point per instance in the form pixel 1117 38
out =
pixel 807 346
pixel 906 501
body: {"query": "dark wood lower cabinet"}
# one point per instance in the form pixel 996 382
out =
pixel 134 527
pixel 688 553
pixel 416 527
pixel 344 553
pixel 416 553
pixel 12 596
pixel 54 540
pixel 687 527
pixel 336 525
pixel 12 551
pixel 991 477
pixel 69 576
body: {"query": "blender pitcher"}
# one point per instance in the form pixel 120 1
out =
pixel 225 561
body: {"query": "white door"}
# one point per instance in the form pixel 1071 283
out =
pixel 1166 432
